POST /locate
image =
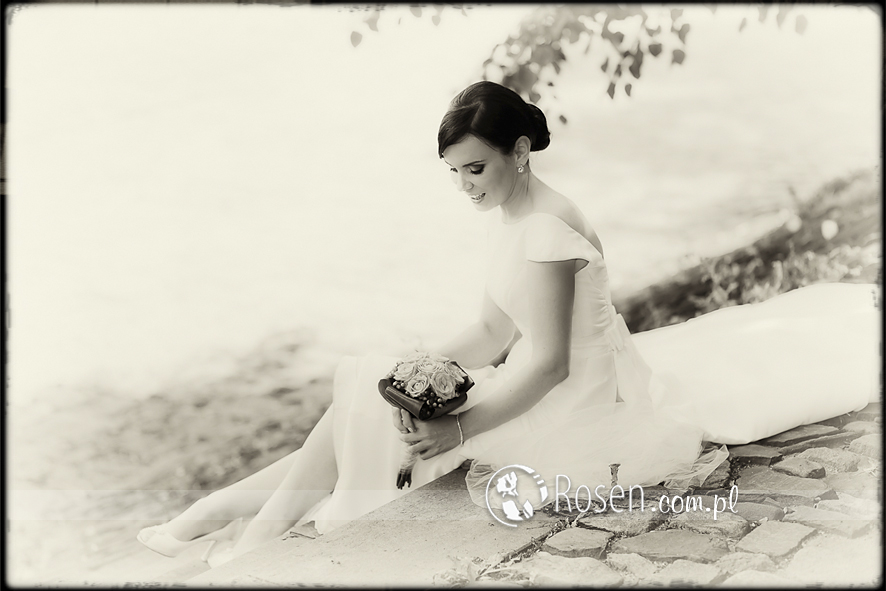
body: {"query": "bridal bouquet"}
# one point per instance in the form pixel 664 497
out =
pixel 427 386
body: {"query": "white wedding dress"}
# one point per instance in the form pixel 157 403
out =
pixel 731 377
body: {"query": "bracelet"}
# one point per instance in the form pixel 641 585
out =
pixel 461 434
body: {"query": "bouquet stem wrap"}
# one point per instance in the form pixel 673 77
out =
pixel 404 475
pixel 426 386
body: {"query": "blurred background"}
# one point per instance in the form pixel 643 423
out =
pixel 209 204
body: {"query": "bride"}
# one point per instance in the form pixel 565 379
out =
pixel 575 393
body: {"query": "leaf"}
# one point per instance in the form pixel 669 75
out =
pixel 556 69
pixel 764 10
pixel 678 56
pixel 683 32
pixel 542 55
pixel 522 81
pixel 781 15
pixel 415 10
pixel 572 32
pixel 605 65
pixel 611 90
pixel 636 64
pixel 356 38
pixel 534 96
pixel 372 20
pixel 744 23
pixel 655 49
pixel 563 119
pixel 617 70
pixel 628 89
pixel 800 24
pixel 435 19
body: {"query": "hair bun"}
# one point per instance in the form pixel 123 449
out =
pixel 542 137
pixel 495 114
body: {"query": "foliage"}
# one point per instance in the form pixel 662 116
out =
pixel 805 250
pixel 733 283
pixel 371 20
pixel 622 35
pixel 624 31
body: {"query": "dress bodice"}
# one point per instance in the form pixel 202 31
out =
pixel 542 237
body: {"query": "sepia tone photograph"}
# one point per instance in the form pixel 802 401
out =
pixel 519 295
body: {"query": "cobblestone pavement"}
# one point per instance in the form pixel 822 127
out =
pixel 806 510
pixel 799 509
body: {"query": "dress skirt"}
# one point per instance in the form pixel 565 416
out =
pixel 647 402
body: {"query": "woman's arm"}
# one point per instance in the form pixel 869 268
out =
pixel 552 295
pixel 476 346
pixel 482 341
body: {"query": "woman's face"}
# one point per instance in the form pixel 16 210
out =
pixel 487 176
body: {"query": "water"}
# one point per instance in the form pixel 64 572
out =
pixel 186 180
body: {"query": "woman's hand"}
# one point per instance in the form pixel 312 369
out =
pixel 403 421
pixel 433 437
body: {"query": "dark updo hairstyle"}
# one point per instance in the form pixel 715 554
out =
pixel 494 114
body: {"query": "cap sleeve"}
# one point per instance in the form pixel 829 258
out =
pixel 550 239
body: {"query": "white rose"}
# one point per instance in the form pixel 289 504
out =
pixel 429 366
pixel 404 371
pixel 455 372
pixel 415 356
pixel 418 384
pixel 443 385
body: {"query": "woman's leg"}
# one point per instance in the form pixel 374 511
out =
pixel 311 476
pixel 246 497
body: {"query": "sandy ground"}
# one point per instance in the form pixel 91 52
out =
pixel 97 471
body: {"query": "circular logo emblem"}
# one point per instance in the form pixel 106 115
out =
pixel 513 491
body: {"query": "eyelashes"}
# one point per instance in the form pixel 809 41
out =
pixel 478 171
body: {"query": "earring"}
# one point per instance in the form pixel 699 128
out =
pixel 520 168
